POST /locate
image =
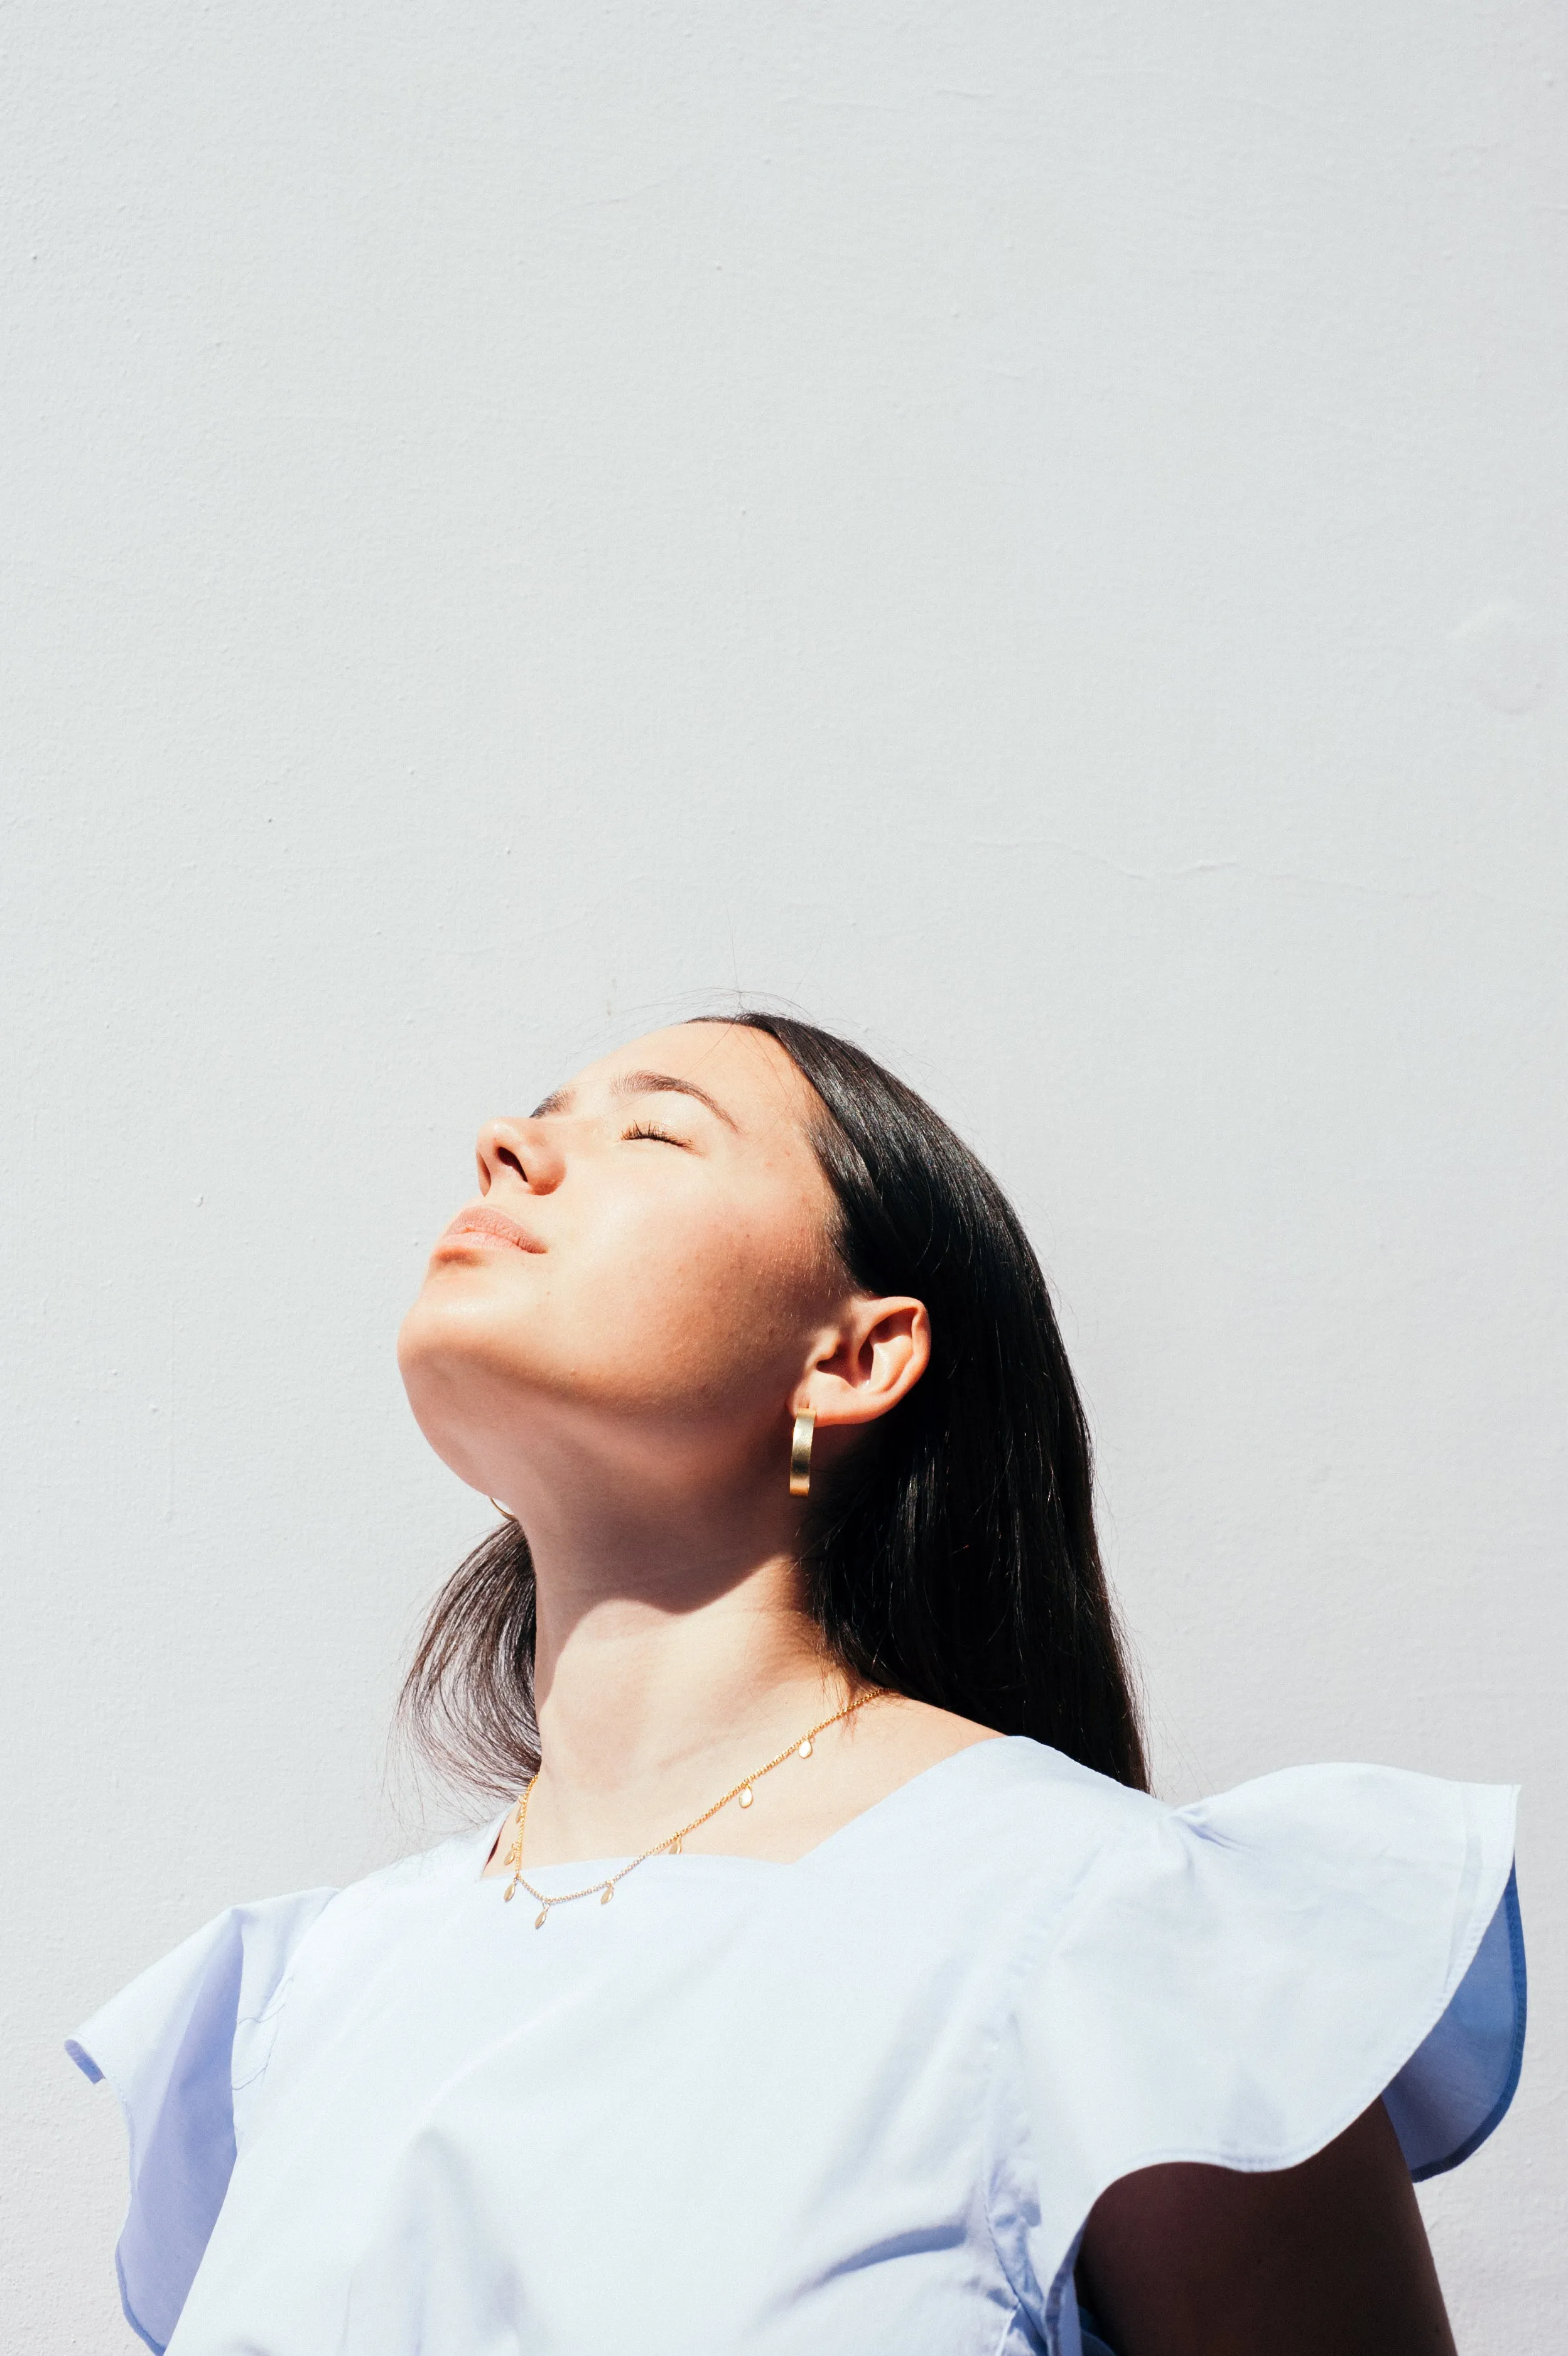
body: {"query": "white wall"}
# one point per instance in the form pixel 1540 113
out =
pixel 1036 532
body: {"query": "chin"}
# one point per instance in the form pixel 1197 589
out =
pixel 472 1364
pixel 451 1327
pixel 450 1379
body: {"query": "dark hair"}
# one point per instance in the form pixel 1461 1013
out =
pixel 953 1554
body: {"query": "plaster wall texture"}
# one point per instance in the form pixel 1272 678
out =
pixel 1035 534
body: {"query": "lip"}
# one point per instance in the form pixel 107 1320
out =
pixel 480 1225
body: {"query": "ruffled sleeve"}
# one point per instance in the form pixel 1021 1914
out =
pixel 1238 1981
pixel 181 2047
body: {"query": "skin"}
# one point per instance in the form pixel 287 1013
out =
pixel 1331 2256
pixel 622 1370
pixel 627 1391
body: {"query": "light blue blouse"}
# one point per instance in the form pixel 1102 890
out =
pixel 863 2101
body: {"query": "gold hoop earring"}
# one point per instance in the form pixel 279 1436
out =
pixel 800 1453
pixel 504 1511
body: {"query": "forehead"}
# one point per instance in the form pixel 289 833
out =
pixel 745 1073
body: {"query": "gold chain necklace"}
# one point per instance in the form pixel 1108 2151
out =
pixel 671 1846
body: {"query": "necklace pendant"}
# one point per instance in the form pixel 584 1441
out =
pixel 674 1848
pixel 542 1916
pixel 803 1749
pixel 510 1892
pixel 606 1893
pixel 747 1796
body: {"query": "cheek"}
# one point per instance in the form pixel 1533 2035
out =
pixel 719 1295
pixel 657 1297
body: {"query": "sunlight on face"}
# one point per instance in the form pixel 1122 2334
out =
pixel 649 1248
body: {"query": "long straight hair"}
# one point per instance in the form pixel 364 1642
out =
pixel 952 1557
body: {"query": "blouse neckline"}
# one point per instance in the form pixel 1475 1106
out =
pixel 594 1866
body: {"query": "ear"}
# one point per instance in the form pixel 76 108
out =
pixel 874 1359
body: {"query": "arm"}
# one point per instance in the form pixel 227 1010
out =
pixel 1190 2261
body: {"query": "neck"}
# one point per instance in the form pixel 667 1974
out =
pixel 635 1692
pixel 671 1646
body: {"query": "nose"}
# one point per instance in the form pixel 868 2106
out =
pixel 520 1148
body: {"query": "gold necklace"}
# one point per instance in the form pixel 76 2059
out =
pixel 671 1846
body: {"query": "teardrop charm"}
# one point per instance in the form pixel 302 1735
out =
pixel 803 1749
pixel 747 1796
pixel 510 1892
pixel 674 1848
pixel 606 1893
pixel 542 1918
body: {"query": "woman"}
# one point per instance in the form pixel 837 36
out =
pixel 831 1981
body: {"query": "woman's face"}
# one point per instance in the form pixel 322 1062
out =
pixel 646 1268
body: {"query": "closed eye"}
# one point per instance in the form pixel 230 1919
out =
pixel 658 1136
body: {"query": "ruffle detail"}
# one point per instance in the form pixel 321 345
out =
pixel 1458 2084
pixel 181 2047
pixel 1239 1980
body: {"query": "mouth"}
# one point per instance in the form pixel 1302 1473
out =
pixel 480 1228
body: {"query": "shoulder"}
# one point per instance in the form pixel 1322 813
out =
pixel 898 1741
pixel 1317 1837
pixel 373 1916
pixel 187 2050
pixel 1236 1980
pixel 894 1738
pixel 1232 1983
pixel 1321 1873
pixel 229 1978
pixel 1043 1814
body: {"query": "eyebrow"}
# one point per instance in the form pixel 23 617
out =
pixel 641 1083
